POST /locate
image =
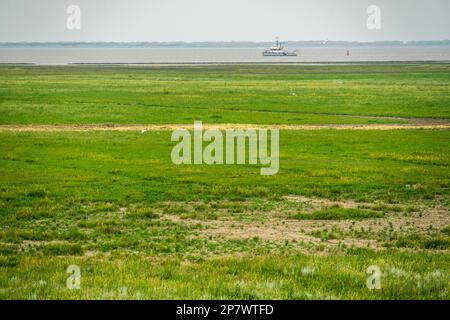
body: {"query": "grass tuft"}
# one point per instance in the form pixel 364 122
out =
pixel 337 213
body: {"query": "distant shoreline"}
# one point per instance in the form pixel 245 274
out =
pixel 218 44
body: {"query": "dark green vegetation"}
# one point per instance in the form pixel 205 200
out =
pixel 337 213
pixel 421 242
pixel 140 227
pixel 222 94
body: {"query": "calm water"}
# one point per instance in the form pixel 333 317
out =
pixel 60 56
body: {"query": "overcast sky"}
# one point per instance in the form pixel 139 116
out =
pixel 223 20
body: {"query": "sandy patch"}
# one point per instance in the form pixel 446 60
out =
pixel 276 226
pixel 170 127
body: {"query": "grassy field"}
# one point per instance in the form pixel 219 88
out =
pixel 222 94
pixel 140 227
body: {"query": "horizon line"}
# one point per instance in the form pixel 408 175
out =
pixel 223 41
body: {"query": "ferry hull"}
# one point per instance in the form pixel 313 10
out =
pixel 279 54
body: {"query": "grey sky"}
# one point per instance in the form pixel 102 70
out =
pixel 223 20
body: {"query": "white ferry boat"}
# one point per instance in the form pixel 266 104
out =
pixel 278 50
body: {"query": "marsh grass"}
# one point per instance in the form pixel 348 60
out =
pixel 338 213
pixel 416 241
pixel 140 227
pixel 222 94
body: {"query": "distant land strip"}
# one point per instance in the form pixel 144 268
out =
pixel 380 62
pixel 354 62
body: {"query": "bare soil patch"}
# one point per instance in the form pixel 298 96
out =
pixel 276 226
pixel 166 127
